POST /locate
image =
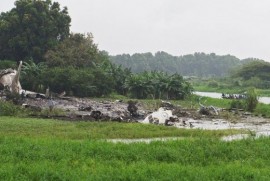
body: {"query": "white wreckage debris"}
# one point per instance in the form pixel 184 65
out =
pixel 161 116
pixel 9 79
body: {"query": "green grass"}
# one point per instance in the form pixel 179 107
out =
pixel 42 128
pixel 38 149
pixel 263 110
pixel 204 159
pixel 227 90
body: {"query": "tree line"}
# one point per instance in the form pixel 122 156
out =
pixel 197 64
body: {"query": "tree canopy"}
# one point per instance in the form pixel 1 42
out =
pixel 31 28
pixel 253 74
pixel 78 50
pixel 252 69
pixel 197 64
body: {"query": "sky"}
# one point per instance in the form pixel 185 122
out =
pixel 178 27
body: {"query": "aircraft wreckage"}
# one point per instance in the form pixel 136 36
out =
pixel 9 79
pixel 87 109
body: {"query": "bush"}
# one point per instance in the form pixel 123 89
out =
pixel 80 82
pixel 237 104
pixel 213 84
pixel 252 100
pixel 9 109
pixel 5 64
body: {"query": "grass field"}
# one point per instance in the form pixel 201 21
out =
pixel 34 149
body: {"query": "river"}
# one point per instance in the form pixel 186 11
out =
pixel 264 100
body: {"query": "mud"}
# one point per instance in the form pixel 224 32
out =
pixel 76 109
pixel 256 126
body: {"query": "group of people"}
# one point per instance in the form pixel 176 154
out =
pixel 233 96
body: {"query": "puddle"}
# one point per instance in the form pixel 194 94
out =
pixel 257 126
pixel 143 140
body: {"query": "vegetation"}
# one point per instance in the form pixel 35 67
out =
pixel 54 129
pixel 8 108
pixel 197 64
pixel 78 50
pixel 34 149
pixel 37 149
pixel 242 78
pixel 72 62
pixel 31 28
pixel 252 100
pixel 157 85
pixel 254 74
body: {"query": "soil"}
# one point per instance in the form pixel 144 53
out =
pixel 76 109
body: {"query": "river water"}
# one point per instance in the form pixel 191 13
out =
pixel 264 100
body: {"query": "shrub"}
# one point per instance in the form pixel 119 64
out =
pixel 81 82
pixel 4 64
pixel 252 100
pixel 213 84
pixel 9 109
pixel 237 104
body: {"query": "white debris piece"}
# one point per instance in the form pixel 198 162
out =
pixel 158 117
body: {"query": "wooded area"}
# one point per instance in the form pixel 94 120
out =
pixel 197 64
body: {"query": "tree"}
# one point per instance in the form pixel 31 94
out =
pixel 259 69
pixel 78 50
pixel 197 64
pixel 31 28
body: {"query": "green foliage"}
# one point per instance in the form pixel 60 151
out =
pixel 262 110
pixel 78 82
pixel 157 85
pixel 251 100
pixel 31 28
pixel 254 74
pixel 31 75
pixel 257 69
pixel 237 104
pixel 213 84
pixel 197 64
pixel 78 50
pixel 8 108
pixel 5 64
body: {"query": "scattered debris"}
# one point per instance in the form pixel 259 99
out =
pixel 207 110
pixel 161 116
pixel 86 109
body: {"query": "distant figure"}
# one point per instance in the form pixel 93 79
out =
pixel 47 94
pixel 51 104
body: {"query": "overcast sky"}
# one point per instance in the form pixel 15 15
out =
pixel 236 27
